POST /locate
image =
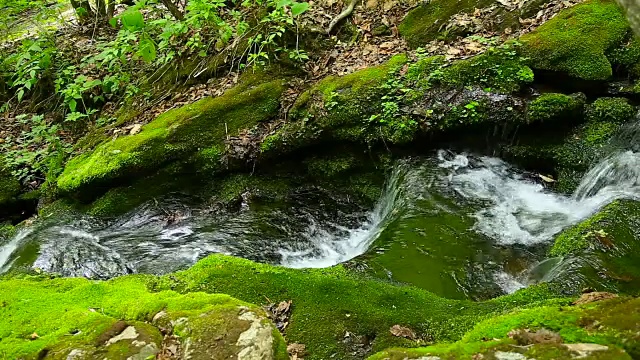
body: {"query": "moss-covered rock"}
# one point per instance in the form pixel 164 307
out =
pixel 612 324
pixel 56 309
pixel 578 40
pixel 395 102
pixel 174 135
pixel 82 319
pixel 608 244
pixel 556 107
pixel 433 20
pixel 615 110
pixel 580 149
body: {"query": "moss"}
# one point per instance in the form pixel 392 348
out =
pixel 611 322
pixel 628 56
pixel 556 107
pixel 329 167
pixel 578 40
pixel 426 22
pixel 7 231
pixel 363 307
pixel 174 135
pixel 581 148
pixel 615 110
pixel 498 69
pixel 609 240
pixel 55 309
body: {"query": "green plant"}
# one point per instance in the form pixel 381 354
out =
pixel 30 154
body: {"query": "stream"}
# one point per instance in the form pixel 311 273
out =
pixel 460 225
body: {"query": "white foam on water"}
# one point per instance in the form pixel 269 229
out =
pixel 9 248
pixel 329 248
pixel 507 282
pixel 517 210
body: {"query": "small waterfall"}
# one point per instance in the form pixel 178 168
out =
pixel 327 249
pixel 8 249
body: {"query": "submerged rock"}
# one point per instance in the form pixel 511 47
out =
pixel 602 252
pixel 79 254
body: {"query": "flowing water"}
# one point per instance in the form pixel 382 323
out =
pixel 461 225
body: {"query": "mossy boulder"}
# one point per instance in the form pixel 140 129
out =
pixel 173 136
pixel 615 110
pixel 556 107
pixel 606 246
pixel 433 20
pixel 120 319
pixel 397 101
pixel 598 330
pixel 580 150
pixel 578 40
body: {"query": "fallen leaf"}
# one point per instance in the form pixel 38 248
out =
pixel 593 297
pixel 402 331
pixel 296 351
pixel 135 129
pixel 34 336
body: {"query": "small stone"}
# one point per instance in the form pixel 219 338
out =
pixel 129 333
pixel 76 354
pixel 584 350
pixel 502 355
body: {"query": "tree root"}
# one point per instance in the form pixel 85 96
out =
pixel 346 12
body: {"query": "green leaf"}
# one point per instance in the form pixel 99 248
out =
pixel 283 3
pixel 299 8
pixel 73 105
pixel 20 94
pixel 132 20
pixel 113 22
pixel 147 50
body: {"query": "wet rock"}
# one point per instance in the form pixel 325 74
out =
pixel 78 254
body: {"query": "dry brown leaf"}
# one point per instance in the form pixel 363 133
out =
pixel 402 331
pixel 593 297
pixel 135 129
pixel 296 351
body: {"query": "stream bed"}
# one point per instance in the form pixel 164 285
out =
pixel 456 224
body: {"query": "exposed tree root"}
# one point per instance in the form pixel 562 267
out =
pixel 346 12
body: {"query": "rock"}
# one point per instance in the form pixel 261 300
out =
pixel 594 296
pixel 585 350
pixel 129 333
pixel 238 332
pixel 501 355
pixel 543 336
pixel 76 354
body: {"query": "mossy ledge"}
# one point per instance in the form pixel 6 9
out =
pixel 174 135
pixel 612 323
pixel 326 304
